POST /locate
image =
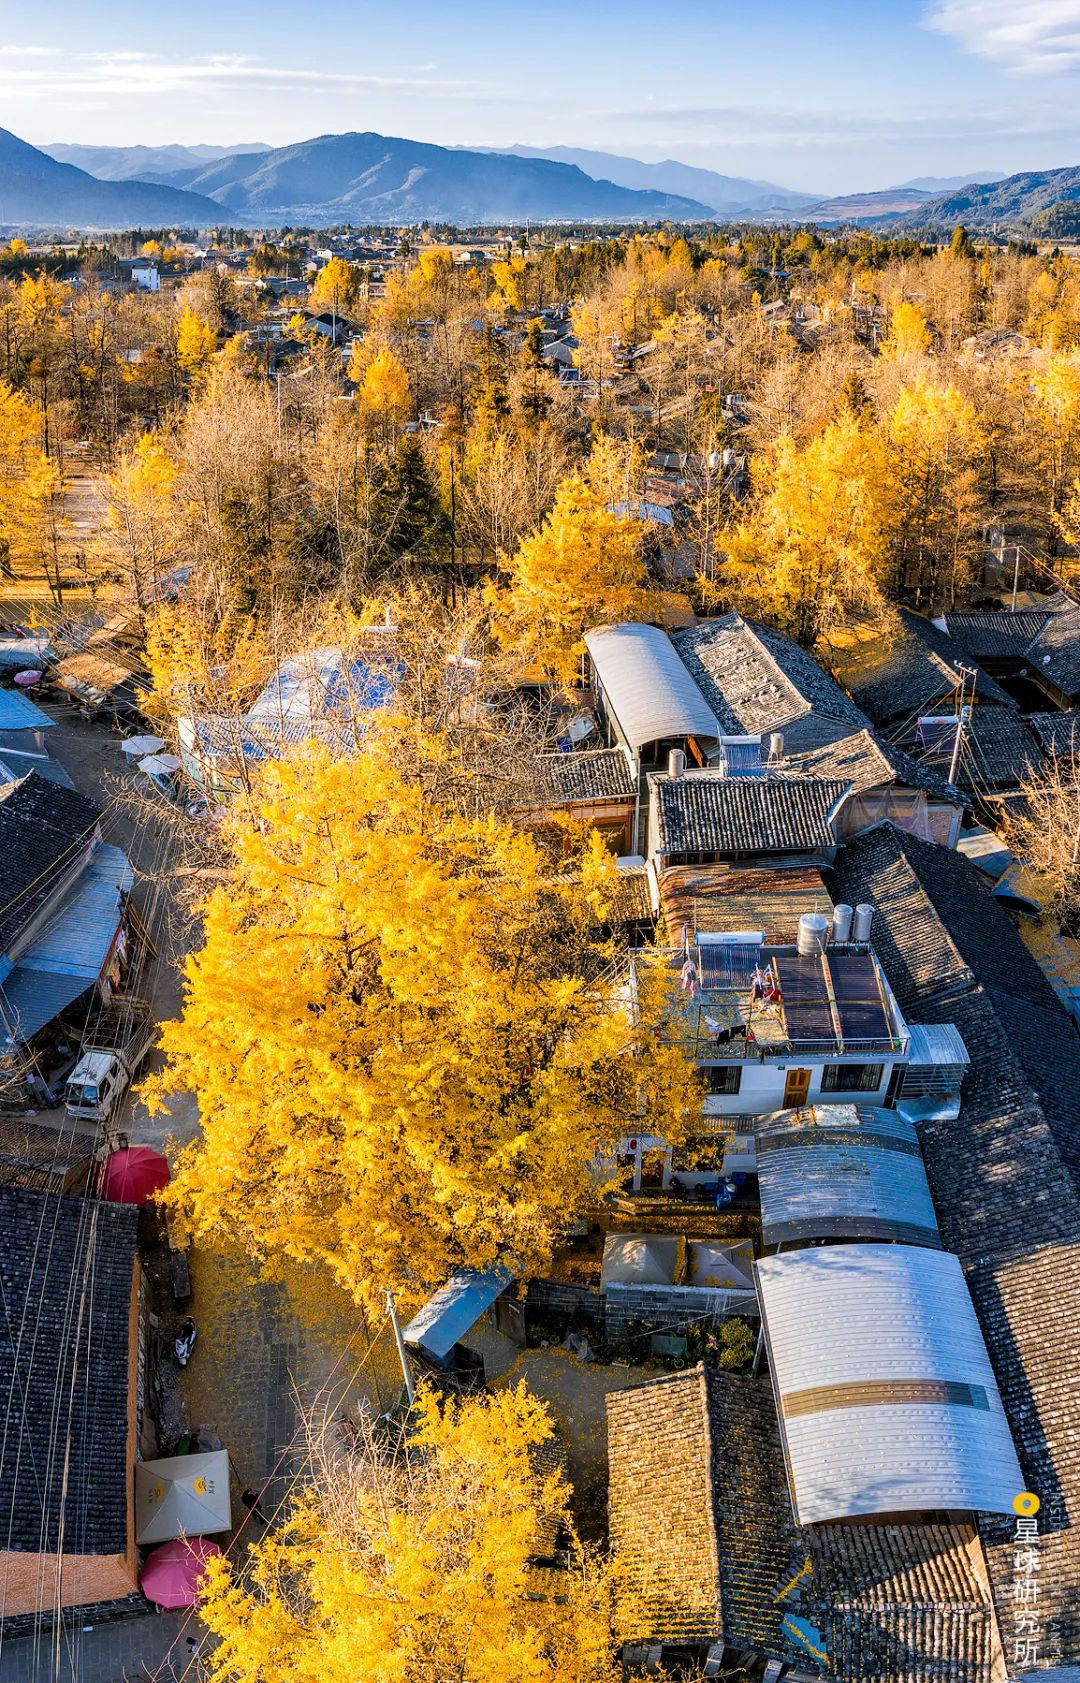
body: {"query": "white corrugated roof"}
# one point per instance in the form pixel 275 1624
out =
pixel 887 1399
pixel 936 1043
pixel 648 688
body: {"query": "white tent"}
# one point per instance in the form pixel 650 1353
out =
pixel 182 1496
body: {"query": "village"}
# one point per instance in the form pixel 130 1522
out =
pixel 483 908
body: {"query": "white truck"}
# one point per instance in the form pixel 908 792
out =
pixel 116 1044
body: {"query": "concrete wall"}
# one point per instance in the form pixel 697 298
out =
pixel 762 1087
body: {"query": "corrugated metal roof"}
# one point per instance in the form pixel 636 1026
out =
pixel 843 1172
pixel 77 938
pixel 455 1309
pixel 936 1043
pixel 31 998
pixel 648 688
pixel 18 712
pixel 843 1323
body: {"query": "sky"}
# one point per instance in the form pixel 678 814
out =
pixel 825 95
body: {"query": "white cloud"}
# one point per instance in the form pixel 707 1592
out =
pixel 1040 37
pixel 29 52
pixel 127 73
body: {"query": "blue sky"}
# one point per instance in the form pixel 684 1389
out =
pixel 827 95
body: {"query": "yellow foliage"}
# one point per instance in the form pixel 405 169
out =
pixel 909 334
pixel 194 668
pixel 27 477
pixel 416 1567
pixel 195 342
pixel 812 548
pixel 384 388
pixel 507 276
pixel 403 1054
pixel 582 567
pixel 336 288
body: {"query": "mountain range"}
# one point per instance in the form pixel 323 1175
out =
pixel 144 163
pixel 365 178
pixel 1024 201
pixel 727 195
pixel 39 191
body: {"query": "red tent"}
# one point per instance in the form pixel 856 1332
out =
pixel 133 1174
pixel 171 1573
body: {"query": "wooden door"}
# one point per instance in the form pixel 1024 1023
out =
pixel 796 1088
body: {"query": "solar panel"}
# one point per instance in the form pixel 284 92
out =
pixel 807 1012
pixel 727 964
pixel 858 996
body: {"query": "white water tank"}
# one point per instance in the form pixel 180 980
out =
pixel 841 922
pixel 676 762
pixel 862 923
pixel 776 746
pixel 813 934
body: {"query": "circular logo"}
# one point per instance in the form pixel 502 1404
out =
pixel 1026 1503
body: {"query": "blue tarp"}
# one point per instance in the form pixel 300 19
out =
pixel 18 712
pixel 455 1309
pixel 69 954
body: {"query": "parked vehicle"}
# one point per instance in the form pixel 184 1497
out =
pixel 115 1045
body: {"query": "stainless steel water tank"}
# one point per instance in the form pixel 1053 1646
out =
pixel 862 923
pixel 813 933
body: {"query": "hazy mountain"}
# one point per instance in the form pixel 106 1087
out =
pixel 374 178
pixel 39 191
pixel 949 183
pixel 1015 201
pixel 866 207
pixel 726 194
pixel 132 163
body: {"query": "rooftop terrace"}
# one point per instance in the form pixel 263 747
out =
pixel 739 997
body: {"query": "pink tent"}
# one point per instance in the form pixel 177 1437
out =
pixel 171 1573
pixel 133 1174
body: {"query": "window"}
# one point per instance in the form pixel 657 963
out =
pixel 851 1078
pixel 723 1078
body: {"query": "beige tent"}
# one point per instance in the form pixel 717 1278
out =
pixel 182 1496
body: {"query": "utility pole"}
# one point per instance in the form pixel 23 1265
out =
pixel 1016 575
pixel 961 720
pixel 410 1388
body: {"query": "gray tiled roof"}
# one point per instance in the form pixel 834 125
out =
pixel 757 680
pixel 64 1363
pixel 1056 651
pixel 998 750
pixel 44 828
pixel 995 636
pixel 1004 1174
pixel 1059 733
pixel 867 763
pixel 593 775
pixel 910 670
pixel 705 812
pixel 699 1512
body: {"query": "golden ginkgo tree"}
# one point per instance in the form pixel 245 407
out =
pixel 583 566
pixel 416 1563
pixel 401 1028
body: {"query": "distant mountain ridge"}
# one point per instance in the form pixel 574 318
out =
pixel 949 183
pixel 1017 201
pixel 728 195
pixel 38 191
pixel 378 178
pixel 138 163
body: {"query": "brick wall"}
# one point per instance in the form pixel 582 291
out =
pixel 670 1308
pixel 551 1298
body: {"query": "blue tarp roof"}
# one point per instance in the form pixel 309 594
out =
pixel 31 998
pixel 18 712
pixel 68 955
pixel 455 1309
